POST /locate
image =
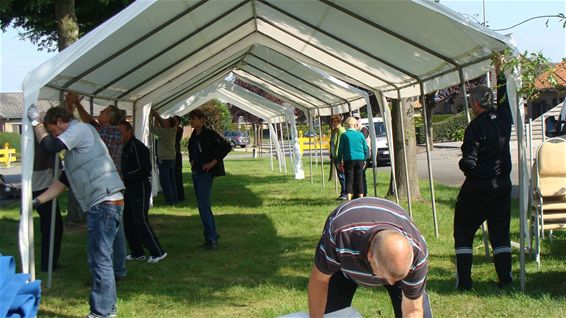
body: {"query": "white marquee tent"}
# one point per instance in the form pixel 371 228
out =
pixel 158 54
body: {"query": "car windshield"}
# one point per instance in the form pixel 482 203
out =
pixel 379 129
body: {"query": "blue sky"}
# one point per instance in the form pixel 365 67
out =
pixel 19 57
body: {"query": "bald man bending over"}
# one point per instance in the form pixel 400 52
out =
pixel 370 242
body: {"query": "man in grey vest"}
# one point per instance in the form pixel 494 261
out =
pixel 91 173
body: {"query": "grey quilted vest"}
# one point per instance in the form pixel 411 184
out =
pixel 92 175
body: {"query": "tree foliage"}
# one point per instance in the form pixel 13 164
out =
pixel 217 116
pixel 38 20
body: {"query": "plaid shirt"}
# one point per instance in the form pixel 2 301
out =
pixel 113 139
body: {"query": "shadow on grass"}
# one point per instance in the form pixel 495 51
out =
pixel 249 255
pixel 230 190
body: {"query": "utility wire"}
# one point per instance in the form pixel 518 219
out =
pixel 560 16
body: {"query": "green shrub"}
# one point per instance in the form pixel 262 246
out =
pixel 12 138
pixel 450 129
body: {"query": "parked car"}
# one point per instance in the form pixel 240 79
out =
pixel 309 133
pixel 380 140
pixel 9 190
pixel 237 138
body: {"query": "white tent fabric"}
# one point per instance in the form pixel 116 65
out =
pixel 159 53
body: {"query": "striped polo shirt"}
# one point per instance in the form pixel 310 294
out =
pixel 344 243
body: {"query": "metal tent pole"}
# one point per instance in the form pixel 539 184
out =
pixel 283 148
pixel 311 130
pixel 428 147
pixel 384 108
pixel 320 144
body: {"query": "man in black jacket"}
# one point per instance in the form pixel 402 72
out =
pixel 136 172
pixel 206 151
pixel 486 192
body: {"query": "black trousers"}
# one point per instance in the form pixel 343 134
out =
pixel 139 233
pixel 44 211
pixel 354 173
pixel 179 177
pixel 341 290
pixel 479 201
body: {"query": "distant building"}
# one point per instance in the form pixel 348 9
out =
pixel 12 107
pixel 550 96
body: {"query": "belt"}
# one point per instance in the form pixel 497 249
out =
pixel 115 202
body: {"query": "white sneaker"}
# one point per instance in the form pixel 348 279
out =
pixel 156 259
pixel 135 258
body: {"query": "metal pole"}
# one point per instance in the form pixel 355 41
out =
pixel 270 145
pixel 289 146
pixel 311 130
pixel 52 227
pixel 543 127
pixel 283 148
pixel 463 91
pixel 405 154
pixel 320 144
pixel 428 147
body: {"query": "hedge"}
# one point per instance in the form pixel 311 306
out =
pixel 450 129
pixel 12 138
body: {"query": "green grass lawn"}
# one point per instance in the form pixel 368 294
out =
pixel 269 225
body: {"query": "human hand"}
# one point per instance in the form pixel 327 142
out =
pixel 207 166
pixel 34 115
pixel 35 203
pixel 341 167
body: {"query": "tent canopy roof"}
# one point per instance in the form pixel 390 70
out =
pixel 233 94
pixel 162 52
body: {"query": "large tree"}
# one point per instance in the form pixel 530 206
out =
pixel 403 111
pixel 56 24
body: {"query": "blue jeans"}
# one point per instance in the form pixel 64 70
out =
pixel 167 180
pixel 341 178
pixel 119 254
pixel 102 221
pixel 202 182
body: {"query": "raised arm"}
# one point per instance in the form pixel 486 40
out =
pixel 158 117
pixel 73 101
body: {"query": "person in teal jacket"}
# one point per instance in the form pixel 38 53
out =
pixel 353 151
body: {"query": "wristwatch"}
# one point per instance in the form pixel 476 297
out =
pixel 35 122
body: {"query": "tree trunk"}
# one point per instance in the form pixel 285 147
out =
pixel 429 100
pixel 67 26
pixel 67 34
pixel 410 143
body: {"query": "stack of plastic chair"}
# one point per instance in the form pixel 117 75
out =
pixel 548 201
pixel 18 296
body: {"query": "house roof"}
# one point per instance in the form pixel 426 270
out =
pixel 559 75
pixel 12 106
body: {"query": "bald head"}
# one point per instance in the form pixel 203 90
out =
pixel 391 254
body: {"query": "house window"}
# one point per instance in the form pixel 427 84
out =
pixel 17 128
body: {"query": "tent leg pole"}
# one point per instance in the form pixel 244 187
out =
pixel 310 145
pixel 320 144
pixel 52 228
pixel 428 147
pixel 283 148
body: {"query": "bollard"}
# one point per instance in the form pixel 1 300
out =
pixel 254 152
